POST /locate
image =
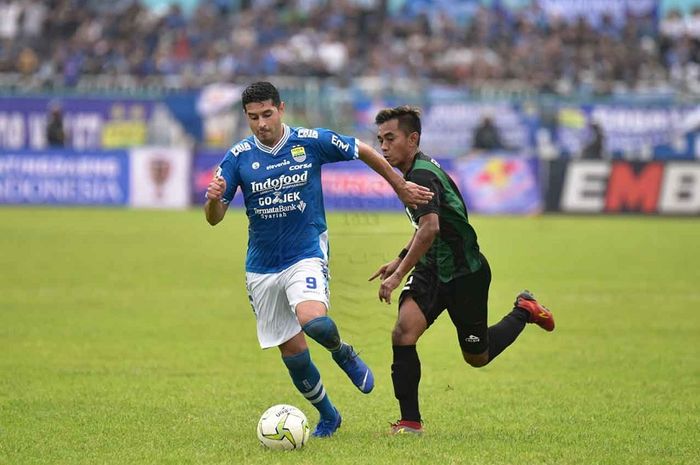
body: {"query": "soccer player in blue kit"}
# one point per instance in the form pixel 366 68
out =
pixel 278 170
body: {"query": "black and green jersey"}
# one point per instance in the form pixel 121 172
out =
pixel 455 252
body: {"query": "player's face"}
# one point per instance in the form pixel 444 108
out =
pixel 397 146
pixel 265 120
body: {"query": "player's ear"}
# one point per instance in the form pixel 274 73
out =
pixel 281 107
pixel 413 138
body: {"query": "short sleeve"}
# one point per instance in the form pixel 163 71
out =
pixel 430 180
pixel 228 169
pixel 335 147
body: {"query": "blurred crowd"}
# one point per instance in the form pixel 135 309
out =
pixel 57 43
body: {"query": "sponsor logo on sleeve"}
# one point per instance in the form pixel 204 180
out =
pixel 240 147
pixel 344 146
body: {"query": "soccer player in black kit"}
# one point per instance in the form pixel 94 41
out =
pixel 449 271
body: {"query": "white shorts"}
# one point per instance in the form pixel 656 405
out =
pixel 274 297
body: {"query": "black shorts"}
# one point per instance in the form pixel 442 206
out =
pixel 465 298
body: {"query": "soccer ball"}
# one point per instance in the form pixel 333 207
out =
pixel 283 427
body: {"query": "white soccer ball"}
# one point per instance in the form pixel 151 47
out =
pixel 283 427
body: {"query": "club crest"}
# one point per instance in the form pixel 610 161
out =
pixel 299 154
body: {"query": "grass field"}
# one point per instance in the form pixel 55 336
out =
pixel 126 337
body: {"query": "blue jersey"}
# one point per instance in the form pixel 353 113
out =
pixel 281 187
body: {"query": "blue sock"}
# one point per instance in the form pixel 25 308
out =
pixel 307 379
pixel 324 331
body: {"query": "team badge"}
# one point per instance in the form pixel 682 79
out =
pixel 298 154
pixel 256 165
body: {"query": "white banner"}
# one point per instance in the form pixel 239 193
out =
pixel 160 177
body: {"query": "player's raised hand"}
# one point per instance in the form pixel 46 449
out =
pixel 216 188
pixel 412 195
pixel 385 270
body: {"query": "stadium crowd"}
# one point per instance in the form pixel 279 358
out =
pixel 55 43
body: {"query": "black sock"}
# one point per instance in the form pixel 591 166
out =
pixel 503 333
pixel 405 374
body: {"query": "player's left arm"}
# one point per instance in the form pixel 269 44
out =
pixel 428 230
pixel 409 193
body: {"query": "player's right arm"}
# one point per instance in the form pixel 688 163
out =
pixel 221 189
pixel 214 208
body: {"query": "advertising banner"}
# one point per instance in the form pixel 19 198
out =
pixel 354 186
pixel 489 185
pixel 448 128
pixel 89 123
pixel 160 177
pixel 204 165
pixel 64 178
pixel 631 131
pixel 504 184
pixel 594 10
pixel 592 186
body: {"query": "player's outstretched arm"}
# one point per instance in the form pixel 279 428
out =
pixel 411 194
pixel 214 208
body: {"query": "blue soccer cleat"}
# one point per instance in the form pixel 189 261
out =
pixel 357 370
pixel 326 427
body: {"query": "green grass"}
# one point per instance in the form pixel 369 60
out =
pixel 126 337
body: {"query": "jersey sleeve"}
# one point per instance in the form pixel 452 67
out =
pixel 228 169
pixel 427 179
pixel 334 147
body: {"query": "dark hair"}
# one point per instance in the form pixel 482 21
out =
pixel 259 92
pixel 408 117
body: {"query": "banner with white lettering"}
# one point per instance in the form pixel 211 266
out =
pixel 449 128
pixel 160 177
pixel 638 132
pixel 88 123
pixel 595 11
pixel 593 186
pixel 64 178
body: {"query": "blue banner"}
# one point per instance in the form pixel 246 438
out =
pixel 449 125
pixel 593 11
pixel 629 131
pixel 64 178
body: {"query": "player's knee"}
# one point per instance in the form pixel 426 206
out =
pixel 403 335
pixel 324 331
pixel 476 360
